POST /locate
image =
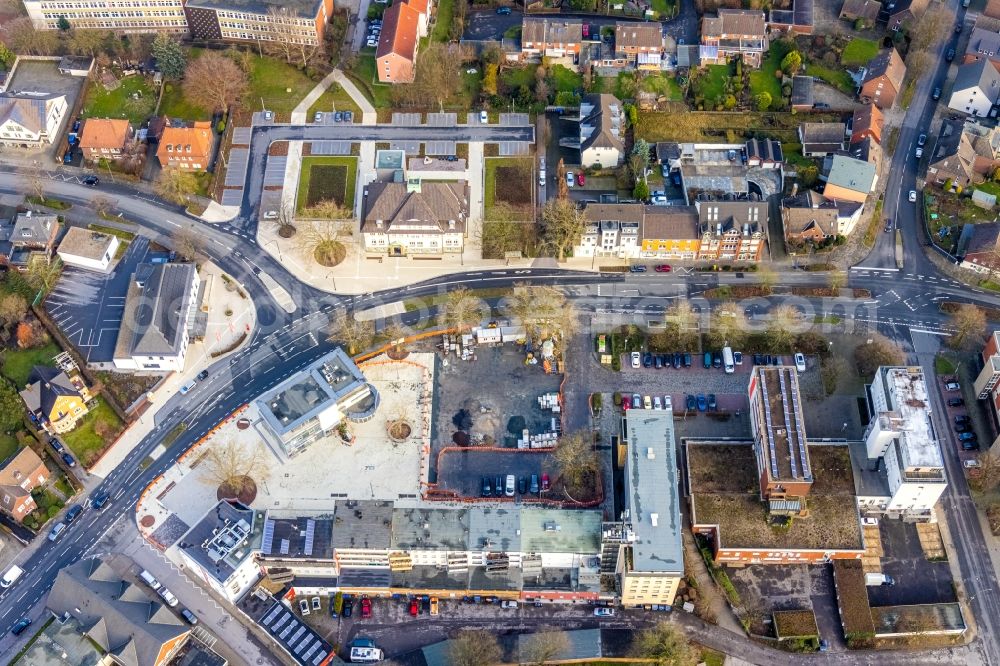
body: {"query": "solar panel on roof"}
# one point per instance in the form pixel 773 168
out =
pixel 269 618
pixel 310 535
pixel 291 641
pixel 319 658
pixel 267 537
pixel 284 547
pixel 281 622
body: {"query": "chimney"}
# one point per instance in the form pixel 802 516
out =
pixel 795 188
pixel 451 224
pixel 378 224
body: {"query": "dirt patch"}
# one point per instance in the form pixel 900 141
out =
pixel 397 354
pixel 329 253
pixel 243 424
pixel 326 182
pixel 286 231
pixel 147 521
pixel 278 148
pixel 400 430
pixel 243 489
pixel 513 186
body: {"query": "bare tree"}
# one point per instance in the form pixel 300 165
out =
pixel 102 205
pixel 328 209
pixel 13 307
pixel 322 240
pixel 43 273
pixel 665 644
pixel 932 27
pixel 475 648
pixel 543 310
pixel 214 82
pixel 34 182
pixel 437 78
pixel 355 333
pixel 918 63
pixel 836 280
pixel 462 309
pixel 21 37
pixel 394 333
pixel 563 187
pixel 563 225
pixel 766 277
pixel 188 243
pixel 873 355
pixel 986 476
pixel 176 185
pixel 782 325
pixel 751 610
pixel 577 462
pixel 545 645
pixel 683 325
pixel 288 38
pixel 234 468
pixel 970 327
pixel 729 326
pixel 285 222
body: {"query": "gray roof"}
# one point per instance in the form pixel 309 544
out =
pixel 430 529
pixel 822 136
pixel 62 644
pixel 667 151
pixel 45 385
pixel 362 524
pixel 551 30
pixel 33 229
pixel 849 173
pixel 731 215
pixel 802 91
pixel 601 122
pixel 651 492
pixel 157 306
pixel 27 109
pixel 310 391
pixel 216 541
pixel 560 531
pixel 300 8
pixel 494 529
pixel 298 538
pixel 983 42
pixel 417 207
pixel 85 243
pixel 982 74
pixel 123 618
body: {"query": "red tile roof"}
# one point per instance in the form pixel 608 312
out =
pixel 399 32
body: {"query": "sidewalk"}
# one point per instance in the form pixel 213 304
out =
pixel 229 317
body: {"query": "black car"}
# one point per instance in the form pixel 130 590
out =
pixel 522 485
pixel 498 488
pixel 92 181
pixel 647 360
pixel 950 55
pixel 968 437
pixel 776 360
pixel 767 359
pixel 73 512
pixel 692 403
pixel 348 608
pixel 971 445
pixel 99 500
pixel 687 360
pixel 68 459
pixel 962 427
pixel 56 444
pixel 190 617
pixel 712 404
pixel 203 375
pixel 962 418
pixel 503 11
pixel 936 95
pixel 487 487
pixel 657 361
pixel 955 402
pixel 21 625
pixel 665 360
pixel 716 359
pixel 678 360
pixel 757 359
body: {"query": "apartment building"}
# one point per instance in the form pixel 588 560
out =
pixel 900 435
pixel 30 119
pixel 219 549
pixel 732 230
pixel 779 434
pixel 296 22
pixel 313 402
pixel 989 377
pixel 629 231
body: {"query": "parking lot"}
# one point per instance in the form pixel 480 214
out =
pixel 918 580
pixel 488 402
pixel 44 75
pixel 87 306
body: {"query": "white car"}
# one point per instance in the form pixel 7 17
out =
pixel 636 359
pixel 658 201
pixel 920 153
pixel 913 196
pixel 318 117
pixel 604 612
pixel 800 362
pixel 570 179
pixel 656 402
pixel 971 464
pixel 471 70
pixel 484 117
pixel 304 606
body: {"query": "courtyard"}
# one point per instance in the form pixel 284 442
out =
pixel 326 178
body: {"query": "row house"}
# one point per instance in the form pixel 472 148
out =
pixel 732 33
pixel 106 138
pixel 883 79
pixel 639 44
pixel 552 37
pixel 732 230
pixel 902 14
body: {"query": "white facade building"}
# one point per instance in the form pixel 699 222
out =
pixel 137 16
pixel 30 119
pixel 88 249
pixel 900 434
pixel 220 549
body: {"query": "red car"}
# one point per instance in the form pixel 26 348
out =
pixel 545 481
pixel 580 180
pixel 366 608
pixel 663 268
pixel 414 607
pixel 626 403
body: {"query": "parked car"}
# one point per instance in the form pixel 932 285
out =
pixel 663 268
pixel 962 418
pixel 202 376
pixel 414 607
pixel 68 459
pixel 534 484
pixel 487 487
pixel 348 116
pixel 691 403
pixel 658 361
pixel 738 358
pixel 92 181
pixel 98 501
pixel 56 444
pixel 936 95
pixel 716 359
pixel 970 464
pixel 952 386
pixel 950 55
pixel 955 402
pixel 637 268
pixel 913 196
pixel 647 402
pixel 318 117
pixel 712 404
pixel 366 608
pixel 581 179
pixel 656 402
pixel 687 360
pixel 635 358
pixel 678 360
pixel 73 512
pixel 636 401
pixel 348 608
pixel 702 403
pixel 545 481
pixel 509 485
pixel 484 118
pixel 316 604
pixel 970 445
pixel 800 362
pixel 434 606
pixel 922 139
pixel 647 360
pixel 603 611
pixel 707 358
pixel 303 606
pixel 498 486
pixel 570 179
pixel 189 617
pixel 503 11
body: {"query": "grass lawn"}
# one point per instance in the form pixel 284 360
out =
pixel 763 79
pixel 280 85
pixel 944 365
pixel 85 443
pixel 564 79
pixel 442 24
pixel 17 363
pixel 379 94
pixel 490 177
pixel 838 78
pixel 348 167
pixel 8 445
pixel 335 100
pixel 175 105
pixel 662 85
pixel 119 103
pixel 711 83
pixel 664 7
pixel 515 77
pixel 990 187
pixel 858 52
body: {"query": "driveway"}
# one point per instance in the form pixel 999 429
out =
pixel 87 306
pixel 485 25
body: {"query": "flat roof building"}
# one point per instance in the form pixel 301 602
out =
pixel 220 548
pixel 901 436
pixel 777 424
pixel 311 403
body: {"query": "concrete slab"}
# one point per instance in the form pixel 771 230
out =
pixel 409 147
pixel 407 119
pixel 442 119
pixel 274 170
pixel 236 168
pixel 242 135
pixel 330 148
pixel 514 119
pixel 261 118
pixel 513 148
pixel 439 148
pixel 232 197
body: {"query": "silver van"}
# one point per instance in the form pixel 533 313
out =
pixel 149 579
pixel 57 531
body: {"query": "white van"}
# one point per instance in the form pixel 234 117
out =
pixel 727 360
pixel 509 485
pixel 149 579
pixel 167 596
pixel 12 575
pixel 187 387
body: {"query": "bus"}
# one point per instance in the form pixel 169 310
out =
pixel 727 360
